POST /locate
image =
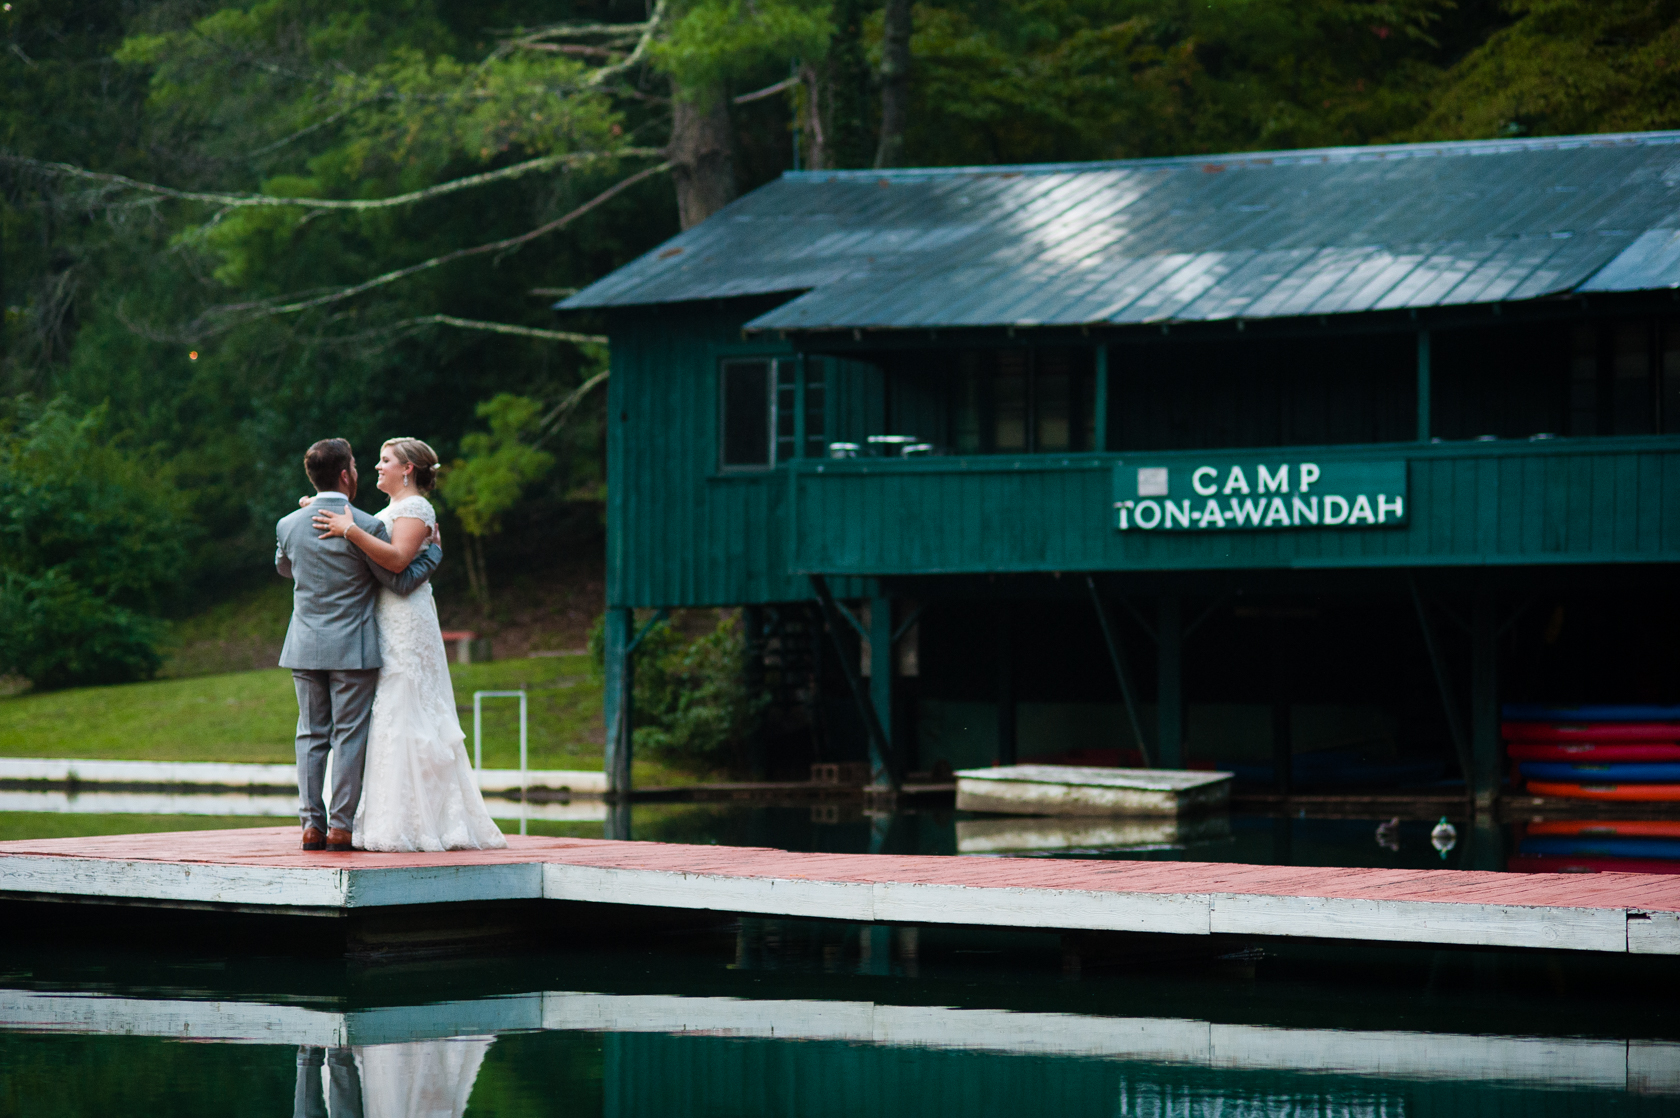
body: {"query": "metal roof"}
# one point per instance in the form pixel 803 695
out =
pixel 1252 235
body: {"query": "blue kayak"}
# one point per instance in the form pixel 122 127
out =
pixel 1625 772
pixel 1609 847
pixel 1536 712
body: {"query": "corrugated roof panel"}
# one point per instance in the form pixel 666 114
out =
pixel 1651 261
pixel 1187 239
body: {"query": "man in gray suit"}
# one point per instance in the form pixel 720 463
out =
pixel 332 642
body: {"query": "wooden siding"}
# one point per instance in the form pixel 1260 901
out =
pixel 1528 503
pixel 679 531
pixel 682 533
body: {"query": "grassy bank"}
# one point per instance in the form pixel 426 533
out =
pixel 252 715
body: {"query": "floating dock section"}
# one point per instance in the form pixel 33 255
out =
pixel 261 871
pixel 1087 790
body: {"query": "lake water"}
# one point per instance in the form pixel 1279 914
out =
pixel 788 1017
pixel 773 1017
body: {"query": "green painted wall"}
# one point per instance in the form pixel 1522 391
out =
pixel 1471 504
pixel 682 533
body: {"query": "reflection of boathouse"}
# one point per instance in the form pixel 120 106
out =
pixel 1318 454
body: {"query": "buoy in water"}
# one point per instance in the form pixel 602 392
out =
pixel 1444 837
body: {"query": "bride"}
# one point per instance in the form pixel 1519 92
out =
pixel 418 789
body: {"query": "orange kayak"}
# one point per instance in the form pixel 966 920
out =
pixel 1608 828
pixel 1640 793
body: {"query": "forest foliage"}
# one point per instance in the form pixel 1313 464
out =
pixel 230 228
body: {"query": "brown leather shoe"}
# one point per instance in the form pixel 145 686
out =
pixel 313 839
pixel 338 839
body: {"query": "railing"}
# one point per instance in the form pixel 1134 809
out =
pixel 1508 502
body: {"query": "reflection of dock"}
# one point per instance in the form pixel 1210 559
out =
pixel 1063 832
pixel 1563 1062
pixel 260 871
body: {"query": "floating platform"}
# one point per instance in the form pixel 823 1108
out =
pixel 420 901
pixel 1089 790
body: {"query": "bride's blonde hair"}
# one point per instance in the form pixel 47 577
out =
pixel 413 452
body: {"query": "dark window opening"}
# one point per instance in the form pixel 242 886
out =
pixel 763 420
pixel 1023 401
pixel 747 412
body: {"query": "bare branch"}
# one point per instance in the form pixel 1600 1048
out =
pixel 556 419
pixel 229 315
pixel 355 204
pixel 301 132
pixel 767 91
pixel 634 58
pixel 505 328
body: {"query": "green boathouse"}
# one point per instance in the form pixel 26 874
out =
pixel 1300 459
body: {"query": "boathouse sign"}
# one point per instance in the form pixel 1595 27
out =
pixel 1256 495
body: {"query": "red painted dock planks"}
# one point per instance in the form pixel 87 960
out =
pixel 277 847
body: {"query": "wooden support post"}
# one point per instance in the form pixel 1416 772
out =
pixel 1169 647
pixel 1099 405
pixel 799 431
pixel 1423 386
pixel 883 763
pixel 1122 672
pixel 1485 760
pixel 620 686
pixel 1006 686
pixel 1443 684
pixel 1283 746
pixel 752 633
pixel 881 668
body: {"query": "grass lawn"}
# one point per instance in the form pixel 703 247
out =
pixel 64 824
pixel 656 822
pixel 251 716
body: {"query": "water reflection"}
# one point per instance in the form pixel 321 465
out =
pixel 673 1055
pixel 419 1079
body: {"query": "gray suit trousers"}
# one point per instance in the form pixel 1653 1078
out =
pixel 334 711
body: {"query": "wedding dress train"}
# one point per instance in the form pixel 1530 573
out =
pixel 418 788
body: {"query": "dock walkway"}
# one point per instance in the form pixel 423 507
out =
pixel 262 870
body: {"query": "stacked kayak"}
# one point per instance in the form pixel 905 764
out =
pixel 1599 846
pixel 1623 754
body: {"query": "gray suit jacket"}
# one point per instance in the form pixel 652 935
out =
pixel 335 586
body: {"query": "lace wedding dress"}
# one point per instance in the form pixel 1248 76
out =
pixel 418 790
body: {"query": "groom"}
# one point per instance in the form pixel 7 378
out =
pixel 332 642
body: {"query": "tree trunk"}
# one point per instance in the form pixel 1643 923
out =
pixel 702 154
pixel 895 83
pixel 850 134
pixel 811 122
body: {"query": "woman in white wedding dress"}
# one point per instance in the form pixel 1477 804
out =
pixel 418 788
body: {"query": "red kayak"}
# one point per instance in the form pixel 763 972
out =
pixel 1643 793
pixel 1610 828
pixel 1591 731
pixel 1563 863
pixel 1589 752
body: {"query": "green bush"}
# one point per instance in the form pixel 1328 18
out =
pixel 693 706
pixel 90 538
pixel 55 633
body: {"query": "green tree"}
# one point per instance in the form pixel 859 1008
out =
pixel 91 539
pixel 497 466
pixel 1566 66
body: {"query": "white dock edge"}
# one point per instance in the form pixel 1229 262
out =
pixel 227 774
pixel 1651 1067
pixel 275 887
pixel 1482 925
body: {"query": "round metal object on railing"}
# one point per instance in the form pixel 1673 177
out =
pixel 892 444
pixel 918 450
pixel 843 450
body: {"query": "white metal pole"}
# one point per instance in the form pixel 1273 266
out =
pixel 478 734
pixel 524 780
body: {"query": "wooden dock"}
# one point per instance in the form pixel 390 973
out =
pixel 260 871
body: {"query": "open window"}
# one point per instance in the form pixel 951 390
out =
pixel 772 410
